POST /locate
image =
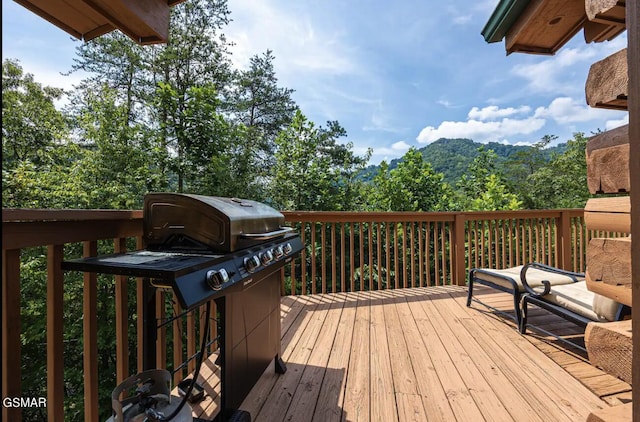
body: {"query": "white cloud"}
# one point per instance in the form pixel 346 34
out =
pixel 565 110
pixel 612 124
pixel 564 72
pixel 492 112
pixel 550 75
pixel 481 131
pixel 400 146
pixel 396 149
pixel 492 123
pixel 462 19
pixel 297 43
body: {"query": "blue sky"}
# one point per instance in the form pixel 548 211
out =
pixel 395 75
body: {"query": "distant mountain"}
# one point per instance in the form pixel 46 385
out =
pixel 453 156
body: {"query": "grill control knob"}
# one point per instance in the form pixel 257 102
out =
pixel 287 249
pixel 215 279
pixel 278 251
pixel 252 263
pixel 266 257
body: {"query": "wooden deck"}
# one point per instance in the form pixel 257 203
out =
pixel 420 354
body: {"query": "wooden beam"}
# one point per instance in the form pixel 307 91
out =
pixel 608 214
pixel 621 413
pixel 609 345
pixel 619 294
pixel 608 162
pixel 609 260
pixel 633 29
pixel 607 83
pixel 600 32
pixel 606 11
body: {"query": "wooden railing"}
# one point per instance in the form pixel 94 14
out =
pixel 347 251
pixel 343 252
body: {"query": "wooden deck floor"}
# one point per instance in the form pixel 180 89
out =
pixel 415 355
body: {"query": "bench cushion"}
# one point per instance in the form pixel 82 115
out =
pixel 534 277
pixel 580 300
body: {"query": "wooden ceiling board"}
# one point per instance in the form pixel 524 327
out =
pixel 145 21
pixel 72 16
pixel 545 26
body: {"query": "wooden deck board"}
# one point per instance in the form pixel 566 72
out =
pixel 510 400
pixel 383 404
pixel 356 405
pixel 417 354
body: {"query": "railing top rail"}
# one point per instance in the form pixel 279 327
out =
pixel 28 214
pixel 357 216
pixel 383 216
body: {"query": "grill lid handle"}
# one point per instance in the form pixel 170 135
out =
pixel 267 236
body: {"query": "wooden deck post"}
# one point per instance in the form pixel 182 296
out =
pixel 11 331
pixel 459 250
pixel 55 333
pixel 90 336
pixel 564 241
pixel 122 319
pixel 633 54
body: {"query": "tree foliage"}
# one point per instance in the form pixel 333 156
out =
pixel 412 186
pixel 563 182
pixel 313 171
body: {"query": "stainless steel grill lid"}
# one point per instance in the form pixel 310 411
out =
pixel 174 221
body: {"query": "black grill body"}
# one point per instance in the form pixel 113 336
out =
pixel 203 248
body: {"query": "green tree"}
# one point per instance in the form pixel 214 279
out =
pixel 483 186
pixel 312 170
pixel 563 182
pixel 260 110
pixel 523 163
pixel 31 124
pixel 495 197
pixel 412 186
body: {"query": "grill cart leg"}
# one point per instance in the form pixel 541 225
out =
pixel 281 367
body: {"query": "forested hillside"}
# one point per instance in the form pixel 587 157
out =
pixel 452 157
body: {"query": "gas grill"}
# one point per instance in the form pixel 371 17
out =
pixel 207 248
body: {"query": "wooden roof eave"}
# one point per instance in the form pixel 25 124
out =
pixel 144 21
pixel 503 17
pixel 544 26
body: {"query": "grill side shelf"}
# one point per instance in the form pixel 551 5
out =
pixel 158 265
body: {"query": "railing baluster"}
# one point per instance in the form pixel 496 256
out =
pixel 323 246
pixel 334 257
pixel 11 328
pixel 371 285
pixel 352 257
pixel 303 258
pixel 122 319
pixel 395 254
pixel 343 264
pixel 313 256
pixel 90 336
pixel 161 340
pixel 55 333
pixel 140 312
pixel 361 241
pixel 388 253
pixel 177 341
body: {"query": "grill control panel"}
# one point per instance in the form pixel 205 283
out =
pixel 268 255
